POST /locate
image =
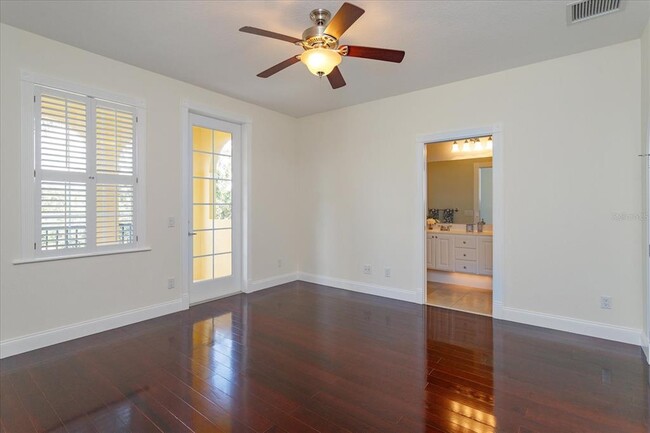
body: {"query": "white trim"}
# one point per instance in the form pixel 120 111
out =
pixel 14 346
pixel 576 326
pixel 56 83
pixel 31 174
pixel 265 283
pixel 370 289
pixel 192 107
pixel 80 256
pixel 498 286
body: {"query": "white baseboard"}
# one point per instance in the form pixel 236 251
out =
pixel 568 324
pixel 370 289
pixel 265 283
pixel 15 346
pixel 645 345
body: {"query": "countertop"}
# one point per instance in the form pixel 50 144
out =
pixel 460 232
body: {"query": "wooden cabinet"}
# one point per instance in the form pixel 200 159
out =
pixel 485 255
pixel 444 247
pixel 459 253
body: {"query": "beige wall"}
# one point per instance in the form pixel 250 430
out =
pixel 571 135
pixel 450 184
pixel 645 148
pixel 39 297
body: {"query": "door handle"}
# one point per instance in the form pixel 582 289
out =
pixel 191 233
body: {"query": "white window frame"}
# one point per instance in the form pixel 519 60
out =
pixel 30 84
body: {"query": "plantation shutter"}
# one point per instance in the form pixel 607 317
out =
pixel 61 170
pixel 84 171
pixel 116 181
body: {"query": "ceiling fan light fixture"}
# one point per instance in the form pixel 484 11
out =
pixel 320 61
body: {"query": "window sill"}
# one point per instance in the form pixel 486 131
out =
pixel 79 256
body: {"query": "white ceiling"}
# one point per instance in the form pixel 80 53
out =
pixel 199 42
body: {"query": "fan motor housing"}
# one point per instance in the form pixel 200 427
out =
pixel 315 36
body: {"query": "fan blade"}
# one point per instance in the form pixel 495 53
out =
pixel 277 68
pixel 268 34
pixel 344 18
pixel 384 54
pixel 335 78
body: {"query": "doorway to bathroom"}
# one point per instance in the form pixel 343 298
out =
pixel 459 206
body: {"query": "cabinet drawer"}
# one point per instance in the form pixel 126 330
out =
pixel 466 254
pixel 465 242
pixel 465 266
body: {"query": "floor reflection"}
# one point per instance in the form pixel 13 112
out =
pixel 303 357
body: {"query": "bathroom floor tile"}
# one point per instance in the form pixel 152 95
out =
pixel 462 298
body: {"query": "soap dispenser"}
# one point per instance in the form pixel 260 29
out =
pixel 479 226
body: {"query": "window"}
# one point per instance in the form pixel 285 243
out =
pixel 84 174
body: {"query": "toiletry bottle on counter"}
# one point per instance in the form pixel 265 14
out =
pixel 479 226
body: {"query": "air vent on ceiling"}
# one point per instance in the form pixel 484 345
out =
pixel 587 9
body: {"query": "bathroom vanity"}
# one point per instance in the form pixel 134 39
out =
pixel 457 251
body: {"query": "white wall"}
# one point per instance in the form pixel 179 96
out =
pixel 644 149
pixel 39 297
pixel 571 136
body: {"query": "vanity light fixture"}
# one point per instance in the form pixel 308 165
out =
pixel 454 147
pixel 488 145
pixel 466 147
pixel 478 145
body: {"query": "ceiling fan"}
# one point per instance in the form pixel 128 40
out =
pixel 323 53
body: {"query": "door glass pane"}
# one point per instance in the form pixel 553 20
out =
pixel 202 268
pixel 222 265
pixel 202 164
pixel 203 191
pixel 223 167
pixel 212 199
pixel 202 217
pixel 202 244
pixel 202 139
pixel 223 241
pixel 223 191
pixel 222 217
pixel 222 143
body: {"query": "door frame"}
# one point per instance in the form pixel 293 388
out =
pixel 496 131
pixel 190 107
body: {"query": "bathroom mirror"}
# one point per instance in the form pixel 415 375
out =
pixel 484 193
pixel 459 183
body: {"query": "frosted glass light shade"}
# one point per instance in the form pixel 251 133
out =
pixel 320 61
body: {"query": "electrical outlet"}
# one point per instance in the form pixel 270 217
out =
pixel 606 376
pixel 367 269
pixel 387 272
pixel 171 283
pixel 171 222
pixel 279 263
pixel 606 302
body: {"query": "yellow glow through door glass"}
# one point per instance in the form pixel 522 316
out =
pixel 212 203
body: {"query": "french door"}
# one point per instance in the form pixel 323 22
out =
pixel 215 214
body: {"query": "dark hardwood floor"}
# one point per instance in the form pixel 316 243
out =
pixel 305 358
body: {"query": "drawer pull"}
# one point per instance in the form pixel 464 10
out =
pixel 464 255
pixel 464 267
